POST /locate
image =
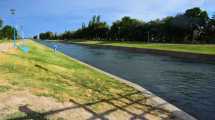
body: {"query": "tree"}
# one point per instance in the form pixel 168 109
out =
pixel 210 30
pixel 46 35
pixel 126 29
pixel 192 26
pixel 213 16
pixel 35 37
pixel 213 19
pixel 8 32
pixel 96 29
pixel 1 22
pixel 167 29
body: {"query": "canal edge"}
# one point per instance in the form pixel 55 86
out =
pixel 198 57
pixel 154 99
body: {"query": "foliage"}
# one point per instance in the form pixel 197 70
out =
pixel 192 26
pixel 35 37
pixel 126 29
pixel 1 22
pixel 7 32
pixel 47 35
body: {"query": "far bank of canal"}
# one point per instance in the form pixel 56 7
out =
pixel 188 85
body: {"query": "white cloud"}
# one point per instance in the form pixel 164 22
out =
pixel 151 9
pixel 143 9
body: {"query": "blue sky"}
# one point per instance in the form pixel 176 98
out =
pixel 59 15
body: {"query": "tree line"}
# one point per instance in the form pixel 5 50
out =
pixel 7 31
pixel 192 26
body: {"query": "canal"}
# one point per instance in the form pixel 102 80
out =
pixel 188 85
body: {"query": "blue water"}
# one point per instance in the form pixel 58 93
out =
pixel 186 84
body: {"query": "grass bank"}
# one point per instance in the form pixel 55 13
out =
pixel 4 41
pixel 188 48
pixel 45 73
pixel 54 74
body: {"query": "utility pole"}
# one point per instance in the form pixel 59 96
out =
pixel 13 12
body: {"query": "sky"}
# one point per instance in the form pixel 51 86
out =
pixel 37 16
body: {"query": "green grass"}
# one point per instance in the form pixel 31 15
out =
pixel 46 73
pixel 12 116
pixel 3 41
pixel 189 48
pixel 4 88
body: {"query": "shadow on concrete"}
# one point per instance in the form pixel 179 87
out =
pixel 31 114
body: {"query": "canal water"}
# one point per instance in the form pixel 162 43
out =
pixel 188 85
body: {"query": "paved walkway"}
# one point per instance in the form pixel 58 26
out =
pixel 22 105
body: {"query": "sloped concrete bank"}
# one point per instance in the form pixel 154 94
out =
pixel 177 114
pixel 181 55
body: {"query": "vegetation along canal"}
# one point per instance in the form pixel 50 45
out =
pixel 186 84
